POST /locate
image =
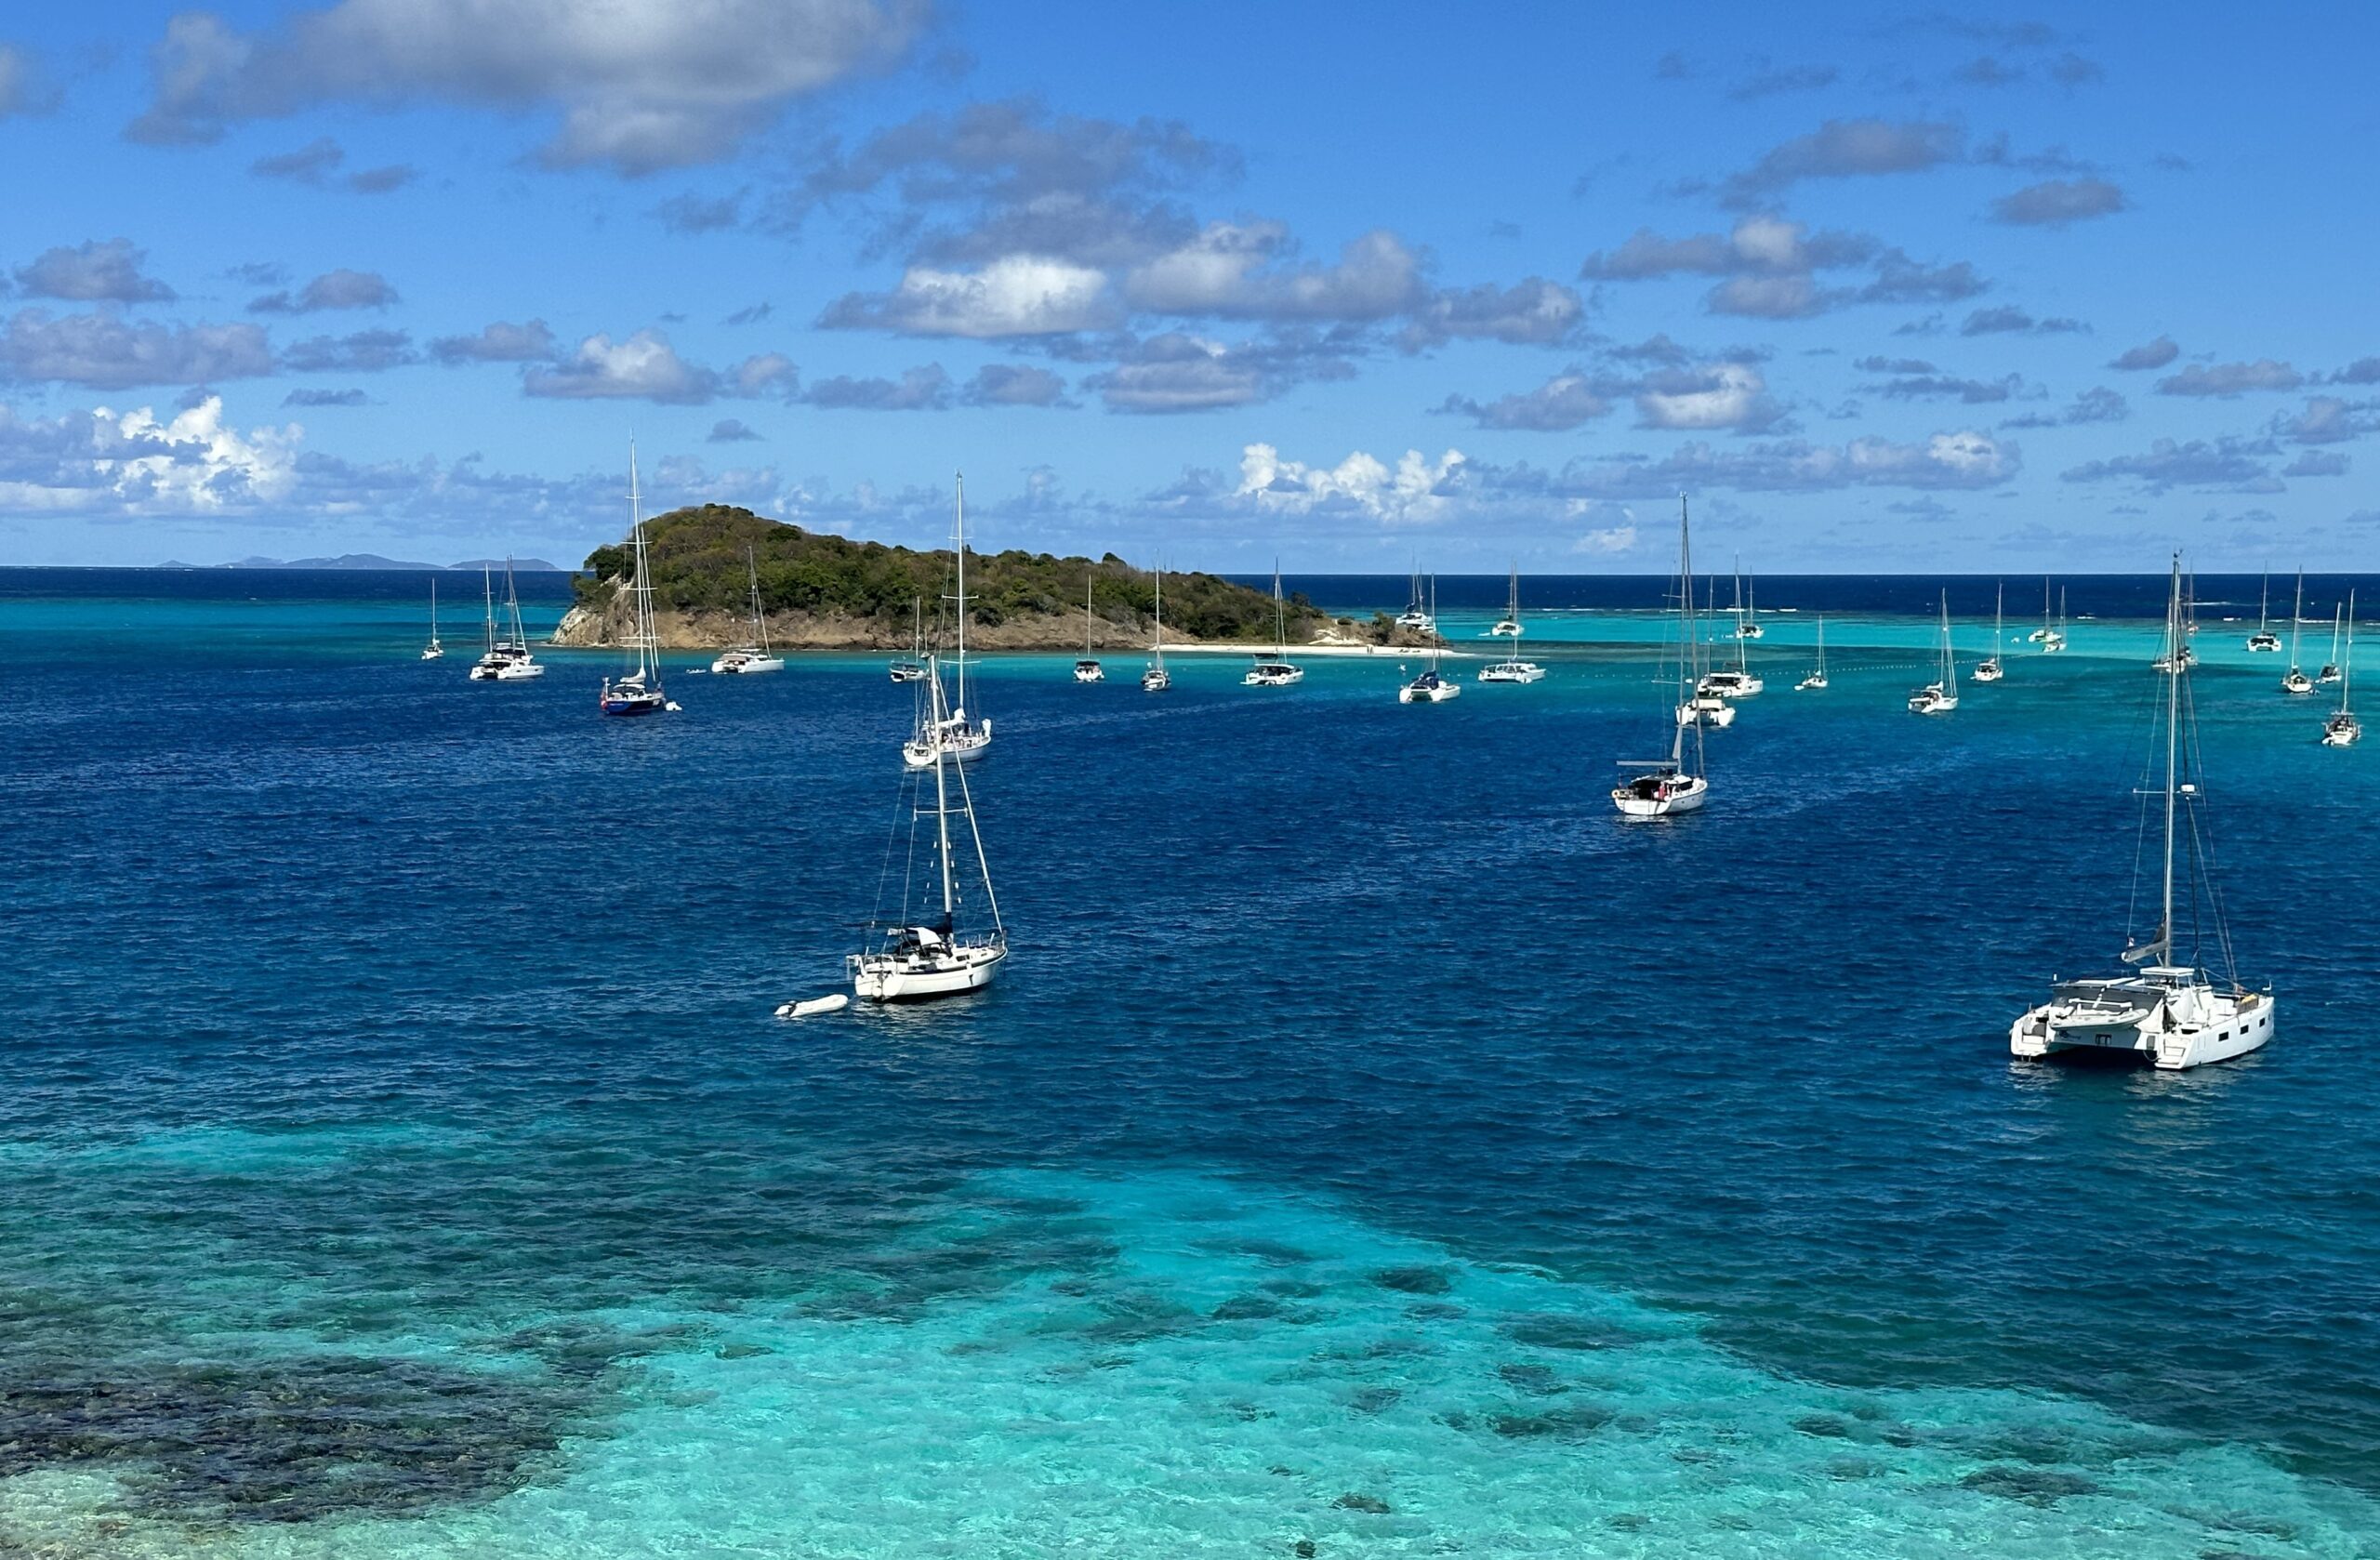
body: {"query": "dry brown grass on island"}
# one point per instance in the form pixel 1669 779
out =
pixel 822 592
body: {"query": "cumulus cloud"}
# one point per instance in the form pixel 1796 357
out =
pixel 364 351
pixel 1770 265
pixel 646 367
pixel 317 162
pixel 1960 460
pixel 499 342
pixel 2317 463
pixel 1947 387
pixel 925 389
pixel 730 431
pixel 2099 404
pixel 2008 319
pixel 2327 419
pixel 1417 489
pixel 2225 463
pixel 324 398
pixel 1902 280
pixel 96 271
pixel 1533 313
pixel 1009 384
pixel 1021 295
pixel 134 463
pixel 638 85
pixel 2149 354
pixel 333 289
pixel 1848 149
pixel 1562 403
pixel 105 351
pixel 1177 372
pixel 2058 203
pixel 1233 270
pixel 700 214
pixel 1727 395
pixel 2228 379
pixel 750 314
pixel 23 88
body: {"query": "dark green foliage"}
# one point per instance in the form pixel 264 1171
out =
pixel 697 561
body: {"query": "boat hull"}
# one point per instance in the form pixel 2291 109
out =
pixel 2171 1031
pixel 1155 681
pixel 878 978
pixel 746 664
pixel 964 748
pixel 1531 672
pixel 1662 801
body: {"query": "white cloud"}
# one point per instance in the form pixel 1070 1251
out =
pixel 132 463
pixel 646 367
pixel 106 352
pixel 1726 395
pixel 1227 272
pixel 1414 491
pixel 1610 539
pixel 1018 295
pixel 93 272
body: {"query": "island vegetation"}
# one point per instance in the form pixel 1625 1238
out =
pixel 822 589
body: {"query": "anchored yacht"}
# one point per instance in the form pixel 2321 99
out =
pixel 2343 730
pixel 639 691
pixel 945 730
pixel 1279 671
pixel 914 668
pixel 1660 787
pixel 433 650
pixel 2296 681
pixel 506 659
pixel 1430 687
pixel 2175 1013
pixel 755 655
pixel 1154 678
pixel 1508 626
pixel 1941 695
pixel 1816 680
pixel 1987 670
pixel 1087 669
pixel 2264 638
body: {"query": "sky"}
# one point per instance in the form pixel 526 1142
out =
pixel 1353 287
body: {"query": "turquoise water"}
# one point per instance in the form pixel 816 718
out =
pixel 1372 1144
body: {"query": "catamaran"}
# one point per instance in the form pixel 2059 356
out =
pixel 638 692
pixel 1987 670
pixel 1660 788
pixel 2049 636
pixel 2264 638
pixel 506 659
pixel 1154 678
pixel 1941 695
pixel 1087 669
pixel 914 668
pixel 1430 687
pixel 1705 703
pixel 1508 626
pixel 1747 616
pixel 948 731
pixel 1278 671
pixel 1415 615
pixel 919 952
pixel 2296 681
pixel 2330 672
pixel 1735 682
pixel 2175 1013
pixel 433 650
pixel 1816 681
pixel 756 656
pixel 2343 730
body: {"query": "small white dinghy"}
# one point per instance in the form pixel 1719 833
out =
pixel 833 1003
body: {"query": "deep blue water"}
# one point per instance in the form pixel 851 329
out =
pixel 397 1156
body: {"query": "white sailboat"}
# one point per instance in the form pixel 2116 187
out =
pixel 2343 730
pixel 1508 626
pixel 2048 636
pixel 2264 638
pixel 1415 615
pixel 2330 672
pixel 1430 687
pixel 1941 695
pixel 1662 788
pixel 914 668
pixel 1087 669
pixel 507 659
pixel 2172 1013
pixel 947 730
pixel 919 952
pixel 755 657
pixel 1278 671
pixel 1704 704
pixel 1816 681
pixel 433 650
pixel 1987 670
pixel 1747 618
pixel 638 692
pixel 1735 682
pixel 1154 678
pixel 2296 681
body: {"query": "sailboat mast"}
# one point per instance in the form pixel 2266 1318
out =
pixel 1161 614
pixel 2173 738
pixel 958 541
pixel 1281 624
pixel 1950 674
pixel 487 583
pixel 760 622
pixel 1999 602
pixel 942 801
pixel 2296 613
pixel 2346 667
pixel 1086 617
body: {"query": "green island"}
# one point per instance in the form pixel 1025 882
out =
pixel 825 592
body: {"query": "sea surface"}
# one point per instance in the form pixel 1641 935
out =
pixel 1372 1145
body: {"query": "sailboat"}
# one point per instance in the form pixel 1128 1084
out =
pixel 1736 683
pixel 2296 681
pixel 433 650
pixel 2330 672
pixel 1816 681
pixel 1660 788
pixel 950 732
pixel 1154 678
pixel 1989 669
pixel 1430 687
pixel 2264 638
pixel 1415 615
pixel 1087 669
pixel 1747 623
pixel 919 952
pixel 2343 730
pixel 1278 671
pixel 1508 626
pixel 507 659
pixel 914 668
pixel 1941 695
pixel 1705 705
pixel 756 656
pixel 2174 1014
pixel 638 692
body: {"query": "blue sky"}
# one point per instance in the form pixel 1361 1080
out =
pixel 1897 290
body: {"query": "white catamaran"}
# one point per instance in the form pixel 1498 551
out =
pixel 2176 1014
pixel 1508 626
pixel 1430 687
pixel 1511 669
pixel 2296 681
pixel 1816 681
pixel 1730 682
pixel 2343 730
pixel 1987 669
pixel 433 650
pixel 919 952
pixel 1154 678
pixel 2264 638
pixel 756 656
pixel 914 668
pixel 1658 787
pixel 1279 671
pixel 1941 695
pixel 507 659
pixel 1087 669
pixel 1421 619
pixel 947 730
pixel 638 692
